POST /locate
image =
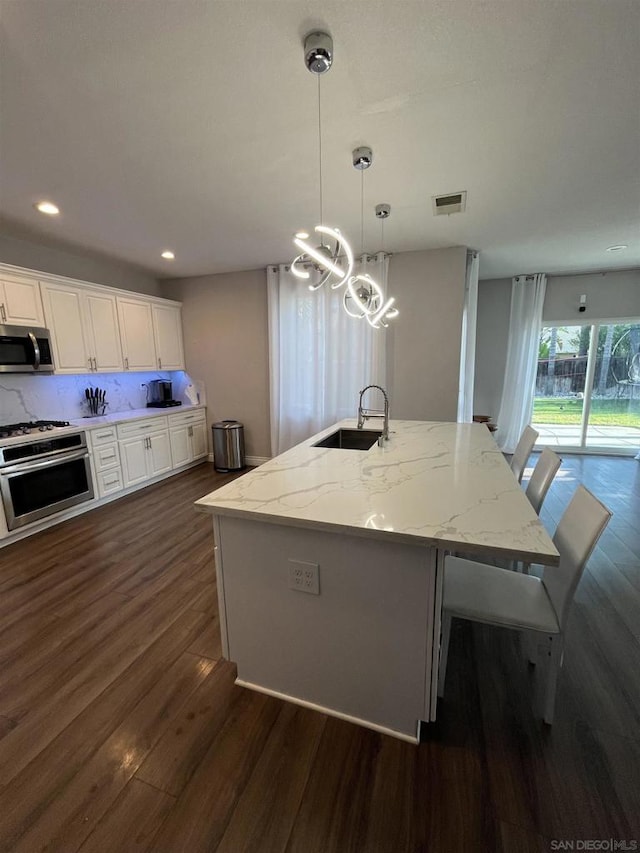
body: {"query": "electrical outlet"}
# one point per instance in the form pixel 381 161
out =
pixel 304 577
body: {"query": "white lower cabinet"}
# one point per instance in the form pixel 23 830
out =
pixel 188 434
pixel 109 482
pixel 144 449
pixel 106 460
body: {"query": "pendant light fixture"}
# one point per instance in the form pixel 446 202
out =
pixel 363 296
pixel 318 58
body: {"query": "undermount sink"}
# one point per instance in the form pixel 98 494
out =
pixel 350 439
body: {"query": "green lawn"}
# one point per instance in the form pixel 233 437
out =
pixel 554 410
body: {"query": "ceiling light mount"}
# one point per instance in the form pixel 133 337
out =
pixel 318 52
pixel 362 157
pixel 383 211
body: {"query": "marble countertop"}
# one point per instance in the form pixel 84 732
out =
pixel 432 483
pixel 102 420
pixel 129 415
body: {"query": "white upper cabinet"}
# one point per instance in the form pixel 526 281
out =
pixel 167 331
pixel 63 310
pixel 94 328
pixel 20 302
pixel 136 334
pixel 102 319
pixel 84 327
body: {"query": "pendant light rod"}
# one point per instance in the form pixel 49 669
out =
pixel 320 153
pixel 362 212
pixel 362 158
pixel 383 211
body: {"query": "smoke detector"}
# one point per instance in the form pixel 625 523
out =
pixel 318 52
pixel 450 203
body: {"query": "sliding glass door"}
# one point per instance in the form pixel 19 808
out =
pixel 588 387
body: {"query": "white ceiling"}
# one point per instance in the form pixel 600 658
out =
pixel 192 125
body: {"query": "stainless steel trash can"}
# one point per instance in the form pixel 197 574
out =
pixel 228 446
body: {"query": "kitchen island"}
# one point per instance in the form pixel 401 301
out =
pixel 329 564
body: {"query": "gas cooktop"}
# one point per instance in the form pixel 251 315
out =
pixel 29 427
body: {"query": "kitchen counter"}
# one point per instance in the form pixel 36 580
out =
pixel 91 423
pixel 439 484
pixel 329 565
pixel 129 415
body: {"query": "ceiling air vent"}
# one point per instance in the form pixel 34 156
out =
pixel 451 203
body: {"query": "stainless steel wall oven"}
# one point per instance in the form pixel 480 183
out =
pixel 43 476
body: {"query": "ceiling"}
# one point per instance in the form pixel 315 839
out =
pixel 192 125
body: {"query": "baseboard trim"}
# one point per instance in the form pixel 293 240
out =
pixel 330 712
pixel 253 461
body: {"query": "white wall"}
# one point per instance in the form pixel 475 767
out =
pixel 423 359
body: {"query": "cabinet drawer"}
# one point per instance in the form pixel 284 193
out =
pixel 106 456
pixel 103 435
pixel 185 418
pixel 145 426
pixel 109 482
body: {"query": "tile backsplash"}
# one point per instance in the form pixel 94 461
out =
pixel 30 398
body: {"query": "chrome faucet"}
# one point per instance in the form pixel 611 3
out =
pixel 364 414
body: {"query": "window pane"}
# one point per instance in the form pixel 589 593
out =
pixel 559 396
pixel 614 417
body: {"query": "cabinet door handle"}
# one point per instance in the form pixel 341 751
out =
pixel 90 365
pixel 95 363
pixel 126 363
pixel 160 363
pixel 3 313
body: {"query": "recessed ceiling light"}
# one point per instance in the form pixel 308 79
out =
pixel 616 248
pixel 47 207
pixel 168 255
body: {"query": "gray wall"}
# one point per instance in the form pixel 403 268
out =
pixel 74 263
pixel 610 296
pixel 494 305
pixel 225 323
pixel 224 318
pixel 424 344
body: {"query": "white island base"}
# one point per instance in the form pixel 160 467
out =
pixel 359 650
pixel 377 524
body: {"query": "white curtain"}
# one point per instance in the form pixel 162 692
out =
pixel 468 340
pixel 527 299
pixel 319 357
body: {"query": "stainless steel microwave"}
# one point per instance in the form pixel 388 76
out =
pixel 25 350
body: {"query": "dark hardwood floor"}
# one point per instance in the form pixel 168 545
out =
pixel 122 730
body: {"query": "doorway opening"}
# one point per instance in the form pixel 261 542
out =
pixel 587 394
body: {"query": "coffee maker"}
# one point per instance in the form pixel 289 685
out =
pixel 160 394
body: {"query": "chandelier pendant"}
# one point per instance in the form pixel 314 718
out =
pixel 324 257
pixel 333 258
